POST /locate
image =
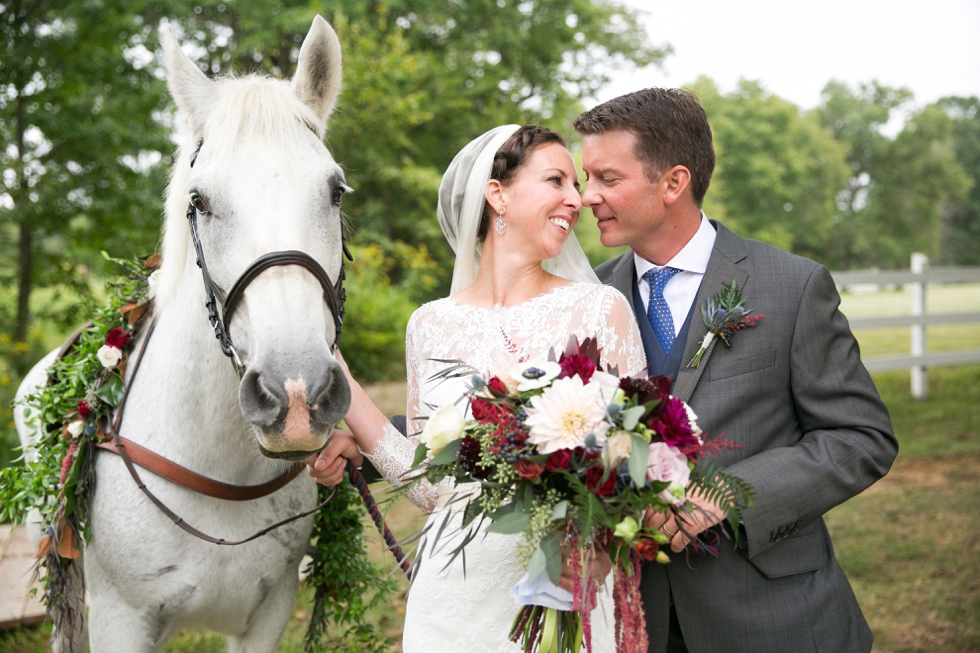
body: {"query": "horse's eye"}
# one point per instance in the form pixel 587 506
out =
pixel 338 194
pixel 200 204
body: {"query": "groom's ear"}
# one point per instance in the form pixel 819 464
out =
pixel 495 195
pixel 677 183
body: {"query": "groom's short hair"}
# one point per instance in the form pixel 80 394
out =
pixel 670 126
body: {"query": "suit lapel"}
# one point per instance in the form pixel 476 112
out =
pixel 624 277
pixel 722 268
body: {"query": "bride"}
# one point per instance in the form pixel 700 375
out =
pixel 521 285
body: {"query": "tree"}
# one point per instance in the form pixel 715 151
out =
pixel 961 220
pixel 897 187
pixel 778 171
pixel 81 146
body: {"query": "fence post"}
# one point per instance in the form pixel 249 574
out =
pixel 919 380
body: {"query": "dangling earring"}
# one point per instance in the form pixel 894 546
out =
pixel 499 225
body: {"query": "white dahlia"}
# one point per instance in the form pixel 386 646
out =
pixel 565 413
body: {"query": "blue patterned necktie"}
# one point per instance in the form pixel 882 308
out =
pixel 657 310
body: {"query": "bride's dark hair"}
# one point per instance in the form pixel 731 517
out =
pixel 511 156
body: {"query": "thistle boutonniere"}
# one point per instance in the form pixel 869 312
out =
pixel 724 314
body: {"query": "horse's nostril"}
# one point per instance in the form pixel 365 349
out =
pixel 261 403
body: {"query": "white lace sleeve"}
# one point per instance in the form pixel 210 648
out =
pixel 618 335
pixel 394 453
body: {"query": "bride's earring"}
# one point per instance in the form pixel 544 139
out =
pixel 499 225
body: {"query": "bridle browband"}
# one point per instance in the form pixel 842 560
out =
pixel 333 293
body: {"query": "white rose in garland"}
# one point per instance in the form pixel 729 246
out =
pixel 109 356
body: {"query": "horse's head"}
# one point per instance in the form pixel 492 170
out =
pixel 256 178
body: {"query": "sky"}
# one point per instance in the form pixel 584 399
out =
pixel 794 47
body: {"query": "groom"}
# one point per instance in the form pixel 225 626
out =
pixel 791 391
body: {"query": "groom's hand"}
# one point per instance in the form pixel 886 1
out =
pixel 685 526
pixel 598 569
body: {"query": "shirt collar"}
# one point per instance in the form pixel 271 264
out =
pixel 693 257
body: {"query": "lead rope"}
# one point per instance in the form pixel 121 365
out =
pixel 372 507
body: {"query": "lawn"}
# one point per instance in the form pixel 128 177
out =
pixel 910 544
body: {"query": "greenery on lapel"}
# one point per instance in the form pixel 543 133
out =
pixel 71 410
pixel 724 314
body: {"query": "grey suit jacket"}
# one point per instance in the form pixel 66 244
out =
pixel 793 392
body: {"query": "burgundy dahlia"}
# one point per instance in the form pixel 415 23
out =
pixel 577 364
pixel 593 481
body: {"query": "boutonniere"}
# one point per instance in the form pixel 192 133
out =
pixel 724 314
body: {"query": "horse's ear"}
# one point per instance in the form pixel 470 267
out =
pixel 190 88
pixel 317 80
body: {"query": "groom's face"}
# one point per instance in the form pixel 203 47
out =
pixel 628 206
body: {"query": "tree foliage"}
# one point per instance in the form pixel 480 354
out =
pixel 898 187
pixel 82 146
pixel 778 170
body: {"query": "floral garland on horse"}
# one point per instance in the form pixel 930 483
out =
pixel 85 384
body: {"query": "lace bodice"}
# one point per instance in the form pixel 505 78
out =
pixel 491 340
pixel 466 606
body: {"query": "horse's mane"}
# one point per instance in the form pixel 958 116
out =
pixel 244 107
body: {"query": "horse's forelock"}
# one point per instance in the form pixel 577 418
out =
pixel 244 107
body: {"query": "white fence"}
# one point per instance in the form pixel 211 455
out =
pixel 918 278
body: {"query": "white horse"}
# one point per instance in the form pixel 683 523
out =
pixel 262 181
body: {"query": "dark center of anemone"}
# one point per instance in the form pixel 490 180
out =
pixel 533 373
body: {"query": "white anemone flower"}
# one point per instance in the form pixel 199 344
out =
pixel 564 414
pixel 531 376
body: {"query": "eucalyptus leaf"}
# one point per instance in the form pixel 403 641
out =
pixel 420 453
pixel 536 565
pixel 448 453
pixel 510 524
pixel 552 550
pixel 631 416
pixel 560 510
pixel 639 455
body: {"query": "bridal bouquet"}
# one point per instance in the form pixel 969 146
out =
pixel 572 457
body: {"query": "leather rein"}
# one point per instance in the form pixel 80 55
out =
pixel 134 454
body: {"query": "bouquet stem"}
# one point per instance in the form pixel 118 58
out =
pixel 547 630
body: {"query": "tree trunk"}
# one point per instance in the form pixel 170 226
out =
pixel 25 250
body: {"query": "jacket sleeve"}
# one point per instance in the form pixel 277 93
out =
pixel 847 441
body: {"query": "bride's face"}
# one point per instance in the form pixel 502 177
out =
pixel 542 203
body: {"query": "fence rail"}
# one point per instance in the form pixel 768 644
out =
pixel 918 277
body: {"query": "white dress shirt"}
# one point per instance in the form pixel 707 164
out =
pixel 682 289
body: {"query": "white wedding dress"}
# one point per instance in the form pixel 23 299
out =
pixel 449 610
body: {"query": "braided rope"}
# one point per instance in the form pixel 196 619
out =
pixel 372 507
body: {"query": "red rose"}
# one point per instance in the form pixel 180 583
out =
pixel 117 337
pixel 647 549
pixel 528 470
pixel 577 364
pixel 485 411
pixel 593 477
pixel 84 410
pixel 561 459
pixel 497 385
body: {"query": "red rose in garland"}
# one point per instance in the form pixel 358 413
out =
pixel 117 337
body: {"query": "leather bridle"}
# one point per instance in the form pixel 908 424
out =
pixel 333 292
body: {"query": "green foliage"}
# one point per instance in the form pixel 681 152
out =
pixel 897 188
pixel 346 584
pixel 83 149
pixel 373 341
pixel 778 171
pixel 961 220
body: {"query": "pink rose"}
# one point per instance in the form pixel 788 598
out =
pixel 668 464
